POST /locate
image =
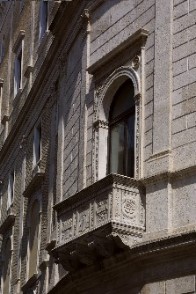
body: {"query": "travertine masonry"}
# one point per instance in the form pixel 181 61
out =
pixel 111 237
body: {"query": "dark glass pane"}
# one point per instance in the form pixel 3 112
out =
pixel 129 146
pixel 117 148
pixel 123 100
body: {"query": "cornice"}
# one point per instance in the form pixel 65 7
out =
pixel 170 175
pixel 139 36
pixel 8 222
pixel 169 248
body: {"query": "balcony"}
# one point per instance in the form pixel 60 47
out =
pixel 102 219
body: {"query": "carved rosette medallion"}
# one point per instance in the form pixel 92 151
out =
pixel 129 208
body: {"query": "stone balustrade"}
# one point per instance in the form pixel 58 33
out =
pixel 102 218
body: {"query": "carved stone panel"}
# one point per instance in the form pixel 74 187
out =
pixel 66 231
pixel 83 220
pixel 102 211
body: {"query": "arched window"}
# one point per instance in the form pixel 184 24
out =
pixel 6 267
pixel 33 238
pixel 122 131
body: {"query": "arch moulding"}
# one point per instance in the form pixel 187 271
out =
pixel 104 95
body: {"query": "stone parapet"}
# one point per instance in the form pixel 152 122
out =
pixel 98 221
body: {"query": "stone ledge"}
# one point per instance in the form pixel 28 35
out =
pixel 139 36
pixel 36 181
pixel 171 175
pixel 156 253
pixel 158 155
pixel 168 243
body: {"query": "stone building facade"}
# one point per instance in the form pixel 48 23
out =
pixel 97 146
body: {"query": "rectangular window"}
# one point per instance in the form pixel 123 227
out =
pixel 1 97
pixel 2 50
pixel 1 194
pixel 18 71
pixel 43 18
pixel 21 5
pixel 10 190
pixel 37 145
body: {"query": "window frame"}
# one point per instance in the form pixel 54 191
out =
pixel 123 117
pixel 18 71
pixel 104 94
pixel 11 188
pixel 37 145
pixel 2 49
pixel 36 197
pixel 43 19
pixel 18 50
pixel 1 103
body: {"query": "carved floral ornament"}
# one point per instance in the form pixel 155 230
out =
pixel 106 90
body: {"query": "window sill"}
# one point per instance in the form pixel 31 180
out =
pixel 36 181
pixel 28 70
pixel 8 221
